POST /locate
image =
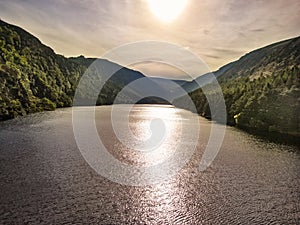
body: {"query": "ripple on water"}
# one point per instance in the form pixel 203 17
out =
pixel 45 180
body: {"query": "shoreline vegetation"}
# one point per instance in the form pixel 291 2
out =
pixel 261 89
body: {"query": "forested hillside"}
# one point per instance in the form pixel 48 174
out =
pixel 261 89
pixel 34 78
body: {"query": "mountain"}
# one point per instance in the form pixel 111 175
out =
pixel 173 86
pixel 204 79
pixel 261 89
pixel 34 78
pixel 129 85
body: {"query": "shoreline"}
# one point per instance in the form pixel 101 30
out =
pixel 275 137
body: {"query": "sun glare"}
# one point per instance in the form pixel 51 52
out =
pixel 167 10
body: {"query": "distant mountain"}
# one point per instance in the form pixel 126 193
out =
pixel 261 89
pixel 34 78
pixel 173 87
pixel 204 79
pixel 137 85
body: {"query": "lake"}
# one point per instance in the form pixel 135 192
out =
pixel 44 178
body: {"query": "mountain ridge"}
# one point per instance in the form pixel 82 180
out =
pixel 261 90
pixel 34 78
pixel 194 84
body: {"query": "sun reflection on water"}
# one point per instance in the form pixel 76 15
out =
pixel 159 127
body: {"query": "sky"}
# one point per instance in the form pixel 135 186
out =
pixel 217 31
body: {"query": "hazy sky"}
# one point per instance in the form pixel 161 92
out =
pixel 218 31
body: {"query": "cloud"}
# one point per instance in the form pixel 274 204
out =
pixel 212 56
pixel 227 51
pixel 258 30
pixel 155 69
pixel 219 31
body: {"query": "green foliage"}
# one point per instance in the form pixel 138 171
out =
pixel 261 90
pixel 32 77
pixel 263 104
pixel 46 104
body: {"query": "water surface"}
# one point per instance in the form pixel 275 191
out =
pixel 45 180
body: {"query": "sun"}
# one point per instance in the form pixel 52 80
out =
pixel 167 10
